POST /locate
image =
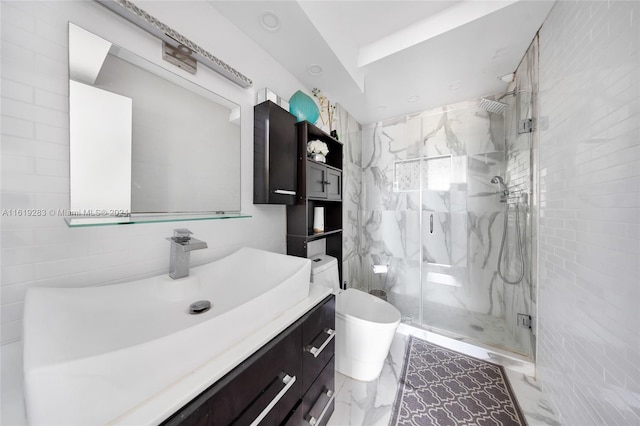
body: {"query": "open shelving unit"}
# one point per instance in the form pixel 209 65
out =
pixel 319 185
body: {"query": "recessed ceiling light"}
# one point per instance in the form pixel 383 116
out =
pixel 270 21
pixel 413 98
pixel 381 108
pixel 314 69
pixel 455 85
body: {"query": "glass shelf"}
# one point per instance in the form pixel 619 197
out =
pixel 86 221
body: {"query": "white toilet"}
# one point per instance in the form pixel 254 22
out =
pixel 365 324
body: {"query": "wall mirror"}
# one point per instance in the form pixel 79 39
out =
pixel 144 141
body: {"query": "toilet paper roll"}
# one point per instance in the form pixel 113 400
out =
pixel 380 269
pixel 318 219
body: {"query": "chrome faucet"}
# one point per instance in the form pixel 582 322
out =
pixel 181 246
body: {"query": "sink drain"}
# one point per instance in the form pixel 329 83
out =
pixel 199 307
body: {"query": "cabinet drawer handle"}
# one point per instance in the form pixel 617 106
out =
pixel 288 382
pixel 316 351
pixel 284 192
pixel 312 420
pixel 326 182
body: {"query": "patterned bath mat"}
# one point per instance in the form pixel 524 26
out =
pixel 442 387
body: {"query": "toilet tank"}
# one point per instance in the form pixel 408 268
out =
pixel 324 271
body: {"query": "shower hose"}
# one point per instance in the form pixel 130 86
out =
pixel 520 249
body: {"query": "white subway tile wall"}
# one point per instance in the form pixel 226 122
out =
pixel 589 300
pixel 43 251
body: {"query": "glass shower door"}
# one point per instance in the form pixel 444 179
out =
pixel 431 213
pixel 461 229
pixel 462 219
pixel 444 242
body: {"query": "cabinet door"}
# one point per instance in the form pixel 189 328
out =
pixel 319 401
pixel 318 333
pixel 275 155
pixel 272 374
pixel 334 185
pixel 316 180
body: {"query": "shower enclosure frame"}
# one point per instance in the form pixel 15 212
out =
pixel 423 291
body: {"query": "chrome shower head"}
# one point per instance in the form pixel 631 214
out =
pixel 493 106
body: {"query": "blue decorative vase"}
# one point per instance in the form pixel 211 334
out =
pixel 303 107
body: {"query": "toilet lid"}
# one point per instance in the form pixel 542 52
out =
pixel 358 304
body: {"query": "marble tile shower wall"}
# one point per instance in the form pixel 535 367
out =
pixel 349 132
pixel 519 155
pixel 589 329
pixel 459 257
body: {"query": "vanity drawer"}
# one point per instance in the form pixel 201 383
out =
pixel 318 332
pixel 271 374
pixel 319 401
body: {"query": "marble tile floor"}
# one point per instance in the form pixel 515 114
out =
pixel 370 403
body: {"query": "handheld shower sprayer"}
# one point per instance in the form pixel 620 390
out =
pixel 520 250
pixel 498 180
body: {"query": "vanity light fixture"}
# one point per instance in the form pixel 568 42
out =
pixel 179 56
pixel 180 50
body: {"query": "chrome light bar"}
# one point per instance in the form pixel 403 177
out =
pixel 139 17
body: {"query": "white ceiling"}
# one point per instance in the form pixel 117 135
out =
pixel 375 55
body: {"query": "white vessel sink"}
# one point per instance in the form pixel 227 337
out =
pixel 93 354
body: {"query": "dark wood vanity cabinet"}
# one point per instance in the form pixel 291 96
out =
pixel 295 370
pixel 318 367
pixel 274 155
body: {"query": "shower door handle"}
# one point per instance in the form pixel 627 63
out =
pixel 431 223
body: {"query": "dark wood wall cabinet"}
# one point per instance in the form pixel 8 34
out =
pixel 289 381
pixel 274 155
pixel 319 185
